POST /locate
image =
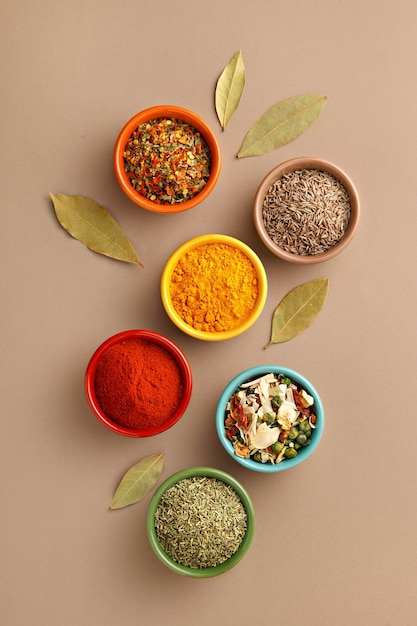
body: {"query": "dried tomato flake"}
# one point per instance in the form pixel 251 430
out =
pixel 167 160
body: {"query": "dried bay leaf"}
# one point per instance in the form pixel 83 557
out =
pixel 282 123
pixel 298 310
pixel 229 89
pixel 138 481
pixel 89 222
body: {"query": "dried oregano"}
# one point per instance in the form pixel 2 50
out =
pixel 200 522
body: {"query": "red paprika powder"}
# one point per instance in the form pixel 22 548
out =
pixel 138 384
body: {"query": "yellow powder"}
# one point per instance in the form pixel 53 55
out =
pixel 214 287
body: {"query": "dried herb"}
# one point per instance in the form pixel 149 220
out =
pixel 200 522
pixel 138 481
pixel 167 161
pixel 229 89
pixel 298 310
pixel 282 123
pixel 86 220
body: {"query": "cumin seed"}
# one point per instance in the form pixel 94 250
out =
pixel 306 211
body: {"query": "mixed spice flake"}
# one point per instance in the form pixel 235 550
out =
pixel 167 161
pixel 269 419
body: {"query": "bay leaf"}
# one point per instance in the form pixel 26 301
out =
pixel 282 123
pixel 229 89
pixel 298 310
pixel 138 481
pixel 89 222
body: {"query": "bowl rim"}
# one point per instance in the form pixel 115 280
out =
pixel 247 539
pixel 255 372
pixel 158 339
pixel 190 245
pixel 307 162
pixel 167 110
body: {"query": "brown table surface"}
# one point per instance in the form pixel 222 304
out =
pixel 335 540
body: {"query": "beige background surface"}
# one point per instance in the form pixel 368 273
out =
pixel 335 542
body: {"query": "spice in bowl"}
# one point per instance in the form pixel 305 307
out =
pixel 269 419
pixel 200 522
pixel 214 287
pixel 138 383
pixel 167 160
pixel 306 210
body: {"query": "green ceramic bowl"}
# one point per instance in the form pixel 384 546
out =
pixel 205 572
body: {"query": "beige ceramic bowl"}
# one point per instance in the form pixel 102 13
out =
pixel 300 163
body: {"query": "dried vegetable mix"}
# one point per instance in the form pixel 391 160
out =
pixel 200 522
pixel 269 419
pixel 167 160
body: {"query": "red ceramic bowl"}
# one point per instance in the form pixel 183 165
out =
pixel 158 340
pixel 177 113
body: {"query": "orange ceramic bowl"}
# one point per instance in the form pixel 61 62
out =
pixel 153 113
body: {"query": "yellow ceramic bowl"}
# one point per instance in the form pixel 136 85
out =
pixel 169 270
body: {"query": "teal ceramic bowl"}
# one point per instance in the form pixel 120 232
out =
pixel 204 572
pixel 252 374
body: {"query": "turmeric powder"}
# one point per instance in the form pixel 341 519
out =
pixel 214 287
